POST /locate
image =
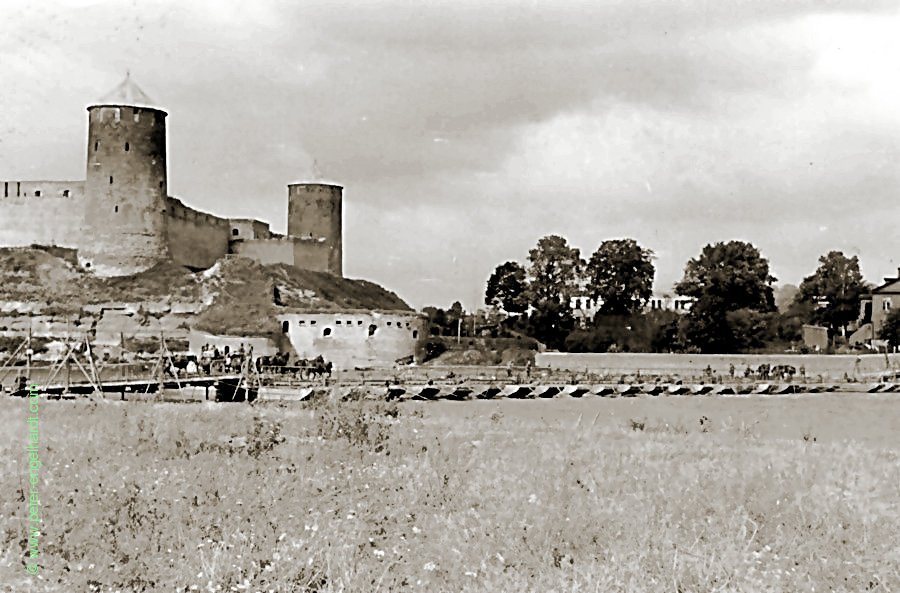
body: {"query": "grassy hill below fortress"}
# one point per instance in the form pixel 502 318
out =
pixel 236 296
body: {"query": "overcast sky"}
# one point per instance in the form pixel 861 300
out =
pixel 464 131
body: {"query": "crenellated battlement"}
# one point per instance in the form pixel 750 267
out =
pixel 176 209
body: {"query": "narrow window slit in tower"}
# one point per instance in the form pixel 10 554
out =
pixel 116 209
pixel 110 179
pixel 127 147
pixel 96 146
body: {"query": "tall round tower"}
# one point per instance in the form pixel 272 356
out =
pixel 314 213
pixel 125 187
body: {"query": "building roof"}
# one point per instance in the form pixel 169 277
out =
pixel 890 286
pixel 127 93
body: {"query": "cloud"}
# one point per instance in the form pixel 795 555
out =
pixel 473 128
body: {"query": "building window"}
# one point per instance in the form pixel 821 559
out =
pixel 96 145
pixel 110 179
pixel 37 193
pixel 326 332
pixel 160 185
pixel 312 321
pixel 415 334
pixel 127 147
pixel 137 116
pixel 234 232
pixel 116 209
pixel 886 304
pixel 65 193
pixel 359 322
pixel 372 328
pixel 285 327
pixel 389 324
pixel 338 322
pixel 301 322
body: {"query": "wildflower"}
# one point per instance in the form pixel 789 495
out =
pixel 430 566
pixel 379 553
pixel 533 499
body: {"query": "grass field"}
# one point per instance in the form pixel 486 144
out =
pixel 661 494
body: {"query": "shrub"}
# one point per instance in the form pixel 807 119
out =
pixel 365 425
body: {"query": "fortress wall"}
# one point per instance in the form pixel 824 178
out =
pixel 195 239
pixel 354 339
pixel 248 228
pixel 46 220
pixel 265 251
pixel 314 254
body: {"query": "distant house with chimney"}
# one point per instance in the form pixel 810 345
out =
pixel 879 304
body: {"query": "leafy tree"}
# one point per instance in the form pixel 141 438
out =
pixel 654 331
pixel 507 288
pixel 890 330
pixel 620 274
pixel 834 290
pixel 437 320
pixel 788 324
pixel 550 322
pixel 784 296
pixel 726 277
pixel 553 277
pixel 454 315
pixel 554 272
pixel 664 334
pixel 747 329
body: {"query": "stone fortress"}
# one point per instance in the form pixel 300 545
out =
pixel 122 220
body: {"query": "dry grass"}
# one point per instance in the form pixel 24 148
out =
pixel 458 497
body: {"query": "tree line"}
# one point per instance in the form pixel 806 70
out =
pixel 729 283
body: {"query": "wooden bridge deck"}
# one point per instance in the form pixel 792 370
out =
pixel 131 385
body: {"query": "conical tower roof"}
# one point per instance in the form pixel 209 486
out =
pixel 127 93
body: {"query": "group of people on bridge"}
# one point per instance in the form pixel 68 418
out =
pixel 212 361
